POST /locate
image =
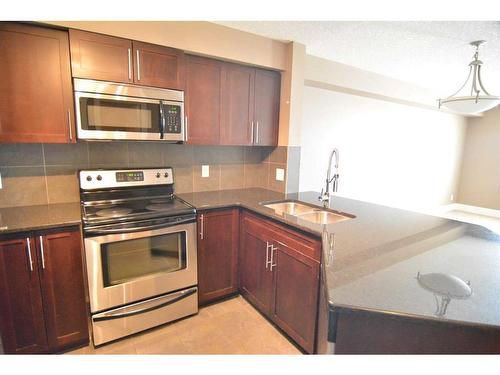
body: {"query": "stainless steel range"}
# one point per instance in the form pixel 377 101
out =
pixel 140 248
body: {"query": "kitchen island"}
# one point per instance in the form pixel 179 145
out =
pixel 373 298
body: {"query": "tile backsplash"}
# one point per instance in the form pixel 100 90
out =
pixel 47 173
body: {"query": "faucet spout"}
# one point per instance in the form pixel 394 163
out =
pixel 325 193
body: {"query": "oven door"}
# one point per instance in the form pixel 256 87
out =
pixel 130 267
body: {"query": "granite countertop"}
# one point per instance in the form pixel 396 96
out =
pixel 377 255
pixel 26 218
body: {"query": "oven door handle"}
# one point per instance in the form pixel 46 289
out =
pixel 174 298
pixel 135 229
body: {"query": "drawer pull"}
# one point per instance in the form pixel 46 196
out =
pixel 42 252
pixel 29 254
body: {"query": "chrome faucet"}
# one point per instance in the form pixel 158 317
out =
pixel 325 193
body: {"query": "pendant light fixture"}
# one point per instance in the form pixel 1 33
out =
pixel 475 100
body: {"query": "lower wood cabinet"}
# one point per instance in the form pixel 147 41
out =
pixel 279 275
pixel 42 298
pixel 218 233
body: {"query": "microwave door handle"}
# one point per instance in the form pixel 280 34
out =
pixel 162 122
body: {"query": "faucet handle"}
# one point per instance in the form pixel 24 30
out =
pixel 321 194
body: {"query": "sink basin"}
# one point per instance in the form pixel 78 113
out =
pixel 291 208
pixel 323 217
pixel 303 211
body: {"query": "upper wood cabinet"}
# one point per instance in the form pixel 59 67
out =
pixel 218 234
pixel 250 106
pixel 202 104
pixel 42 298
pixel 107 58
pixel 36 94
pixel 237 105
pixel 158 66
pixel 101 57
pixel 266 107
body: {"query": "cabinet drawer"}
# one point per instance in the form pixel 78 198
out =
pixel 299 242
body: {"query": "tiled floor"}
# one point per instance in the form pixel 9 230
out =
pixel 229 327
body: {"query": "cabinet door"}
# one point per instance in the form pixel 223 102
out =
pixel 203 101
pixel 267 103
pixel 217 254
pixel 101 57
pixel 159 66
pixel 36 95
pixel 256 278
pixel 294 307
pixel 21 313
pixel 61 276
pixel 237 107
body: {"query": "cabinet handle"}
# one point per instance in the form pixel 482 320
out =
pixel 273 249
pixel 186 128
pixel 268 245
pixel 202 223
pixel 138 66
pixel 29 254
pixel 42 252
pixel 69 126
pixel 251 141
pixel 129 64
pixel 257 132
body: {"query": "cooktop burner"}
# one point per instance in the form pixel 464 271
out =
pixel 158 206
pixel 161 200
pixel 110 197
pixel 114 212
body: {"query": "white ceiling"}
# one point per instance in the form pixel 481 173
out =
pixel 430 54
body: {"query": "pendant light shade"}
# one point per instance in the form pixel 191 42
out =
pixel 472 98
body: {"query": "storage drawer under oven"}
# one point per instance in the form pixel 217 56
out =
pixel 127 320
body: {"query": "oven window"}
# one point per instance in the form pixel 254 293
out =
pixel 126 260
pixel 112 115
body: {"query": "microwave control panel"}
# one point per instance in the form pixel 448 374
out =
pixel 173 118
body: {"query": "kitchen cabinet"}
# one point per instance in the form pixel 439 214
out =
pixel 202 104
pixel 21 309
pixel 36 95
pixel 266 107
pixel 295 294
pixel 107 58
pixel 101 57
pixel 256 278
pixel 279 274
pixel 218 234
pixel 42 298
pixel 158 66
pixel 237 105
pixel 249 106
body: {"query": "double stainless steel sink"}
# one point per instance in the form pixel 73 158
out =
pixel 307 212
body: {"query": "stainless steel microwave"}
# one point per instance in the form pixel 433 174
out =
pixel 112 111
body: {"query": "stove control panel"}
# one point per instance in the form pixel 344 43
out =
pixel 103 179
pixel 129 176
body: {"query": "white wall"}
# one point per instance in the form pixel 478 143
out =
pixel 480 177
pixel 392 154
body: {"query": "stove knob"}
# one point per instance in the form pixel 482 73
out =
pixel 166 174
pixel 89 178
pixel 99 177
pixel 158 175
